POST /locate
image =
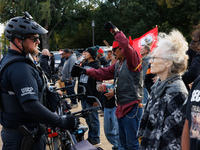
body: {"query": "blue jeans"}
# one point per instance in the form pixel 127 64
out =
pixel 128 126
pixel 92 121
pixel 145 96
pixel 111 129
pixel 12 141
pixel 71 91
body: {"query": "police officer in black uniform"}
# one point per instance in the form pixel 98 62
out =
pixel 21 88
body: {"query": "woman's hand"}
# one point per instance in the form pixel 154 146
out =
pixel 95 104
pixel 60 92
pixel 101 88
pixel 110 94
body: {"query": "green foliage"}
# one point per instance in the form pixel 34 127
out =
pixel 69 21
pixel 134 18
pixel 3 44
pixel 48 13
pixel 183 16
pixel 169 3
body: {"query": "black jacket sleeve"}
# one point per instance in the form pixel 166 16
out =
pixel 45 66
pixel 192 55
pixel 148 82
pixel 103 61
pixel 193 71
pixel 37 111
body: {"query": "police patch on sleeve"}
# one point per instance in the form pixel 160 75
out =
pixel 27 91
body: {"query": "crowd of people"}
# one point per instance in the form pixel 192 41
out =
pixel 149 103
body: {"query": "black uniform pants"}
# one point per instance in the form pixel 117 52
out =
pixel 12 141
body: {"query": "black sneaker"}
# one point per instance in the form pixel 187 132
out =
pixel 95 143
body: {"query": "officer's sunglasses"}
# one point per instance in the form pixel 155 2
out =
pixel 34 38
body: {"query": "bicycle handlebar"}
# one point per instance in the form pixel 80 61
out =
pixel 84 111
pixel 74 95
pixel 87 110
pixel 64 88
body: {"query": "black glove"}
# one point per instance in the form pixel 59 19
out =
pixel 77 122
pixel 77 71
pixel 69 122
pixel 109 26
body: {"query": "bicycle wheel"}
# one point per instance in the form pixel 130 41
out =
pixel 56 143
pixel 79 137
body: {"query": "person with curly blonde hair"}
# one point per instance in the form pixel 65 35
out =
pixel 162 122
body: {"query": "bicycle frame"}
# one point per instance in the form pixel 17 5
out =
pixel 66 139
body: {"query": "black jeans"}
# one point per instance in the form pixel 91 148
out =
pixel 71 91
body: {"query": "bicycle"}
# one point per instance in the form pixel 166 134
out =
pixel 54 79
pixel 67 139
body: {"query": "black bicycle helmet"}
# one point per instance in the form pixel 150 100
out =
pixel 20 27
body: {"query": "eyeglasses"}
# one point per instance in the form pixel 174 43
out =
pixel 155 57
pixel 34 38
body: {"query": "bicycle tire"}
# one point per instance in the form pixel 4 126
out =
pixel 56 143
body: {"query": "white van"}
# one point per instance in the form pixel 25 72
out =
pixel 106 49
pixel 57 57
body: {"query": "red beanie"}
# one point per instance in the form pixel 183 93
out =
pixel 100 51
pixel 115 45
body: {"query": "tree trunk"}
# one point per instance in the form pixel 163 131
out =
pixel 46 37
pixel 45 41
